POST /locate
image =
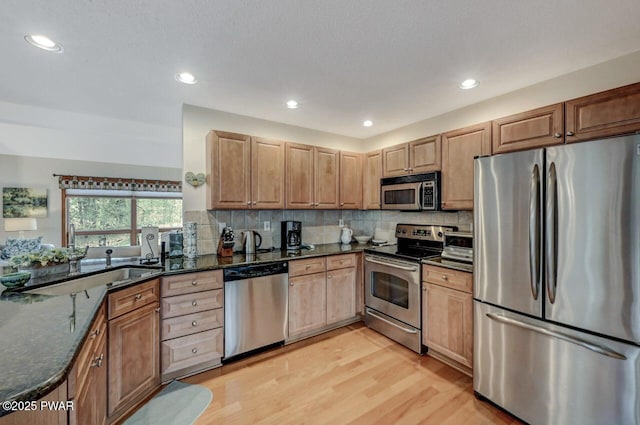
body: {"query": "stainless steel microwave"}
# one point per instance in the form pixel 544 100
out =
pixel 415 192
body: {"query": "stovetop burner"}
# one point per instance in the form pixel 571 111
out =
pixel 415 242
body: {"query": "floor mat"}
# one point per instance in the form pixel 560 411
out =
pixel 177 404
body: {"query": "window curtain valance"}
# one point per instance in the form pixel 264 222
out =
pixel 114 183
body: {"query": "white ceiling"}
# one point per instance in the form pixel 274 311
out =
pixel 393 61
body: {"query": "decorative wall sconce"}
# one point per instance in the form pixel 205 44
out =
pixel 195 180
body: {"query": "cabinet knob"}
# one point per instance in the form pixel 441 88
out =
pixel 255 202
pixel 342 204
pixel 248 202
pixel 194 303
pixel 290 283
pixel 194 282
pixel 157 310
pixel 445 277
pixel 194 350
pixel 138 297
pixel 317 204
pixel 311 204
pixel 194 323
pixel 329 276
pixel 557 135
pixel 424 288
pixel 569 133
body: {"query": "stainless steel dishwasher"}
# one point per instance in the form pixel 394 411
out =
pixel 256 307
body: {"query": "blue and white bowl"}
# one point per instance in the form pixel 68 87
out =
pixel 15 280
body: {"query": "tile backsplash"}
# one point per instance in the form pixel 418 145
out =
pixel 318 226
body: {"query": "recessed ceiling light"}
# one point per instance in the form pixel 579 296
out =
pixel 43 42
pixel 469 83
pixel 367 123
pixel 292 104
pixel 186 78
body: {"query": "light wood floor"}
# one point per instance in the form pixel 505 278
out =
pixel 352 375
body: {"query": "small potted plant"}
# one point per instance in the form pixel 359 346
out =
pixel 45 262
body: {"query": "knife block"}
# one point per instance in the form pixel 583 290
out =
pixel 224 252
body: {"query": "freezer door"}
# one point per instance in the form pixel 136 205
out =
pixel 508 197
pixel 593 236
pixel 548 374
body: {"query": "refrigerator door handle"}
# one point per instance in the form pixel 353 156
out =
pixel 552 233
pixel 559 335
pixel 534 231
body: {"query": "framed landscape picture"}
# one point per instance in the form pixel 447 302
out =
pixel 21 202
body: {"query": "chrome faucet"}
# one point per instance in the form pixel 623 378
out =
pixel 108 252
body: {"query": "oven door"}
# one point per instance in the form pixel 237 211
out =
pixel 404 196
pixel 392 287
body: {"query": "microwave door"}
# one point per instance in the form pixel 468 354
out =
pixel 405 196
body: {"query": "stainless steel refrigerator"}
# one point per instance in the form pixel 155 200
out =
pixel 557 282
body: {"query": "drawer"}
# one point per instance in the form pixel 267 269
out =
pixel 88 353
pixel 187 351
pixel 191 282
pixel 192 323
pixel 136 296
pixel 343 261
pixel 308 266
pixel 455 279
pixel 191 303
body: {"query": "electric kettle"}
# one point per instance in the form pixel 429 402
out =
pixel 346 235
pixel 251 240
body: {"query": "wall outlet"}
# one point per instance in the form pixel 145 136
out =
pixel 221 227
pixel 341 222
pixel 267 226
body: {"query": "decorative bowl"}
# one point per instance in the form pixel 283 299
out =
pixel 362 239
pixel 15 280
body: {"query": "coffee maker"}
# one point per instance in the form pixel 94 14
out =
pixel 291 236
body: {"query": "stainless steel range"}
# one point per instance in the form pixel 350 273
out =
pixel 392 282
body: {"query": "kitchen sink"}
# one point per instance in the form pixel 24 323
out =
pixel 113 277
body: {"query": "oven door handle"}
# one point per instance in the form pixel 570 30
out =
pixel 396 266
pixel 409 331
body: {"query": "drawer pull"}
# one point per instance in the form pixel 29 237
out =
pixel 308 267
pixel 194 350
pixel 194 323
pixel 194 303
pixel 194 282
pixel 95 333
pixel 138 297
pixel 97 362
pixel 444 277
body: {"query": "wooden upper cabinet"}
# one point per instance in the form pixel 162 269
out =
pixel 459 147
pixel 267 173
pixel 609 113
pixel 424 154
pixel 532 129
pixel 372 173
pixel 350 180
pixel 327 178
pixel 299 176
pixel 228 160
pixel 246 172
pixel 395 160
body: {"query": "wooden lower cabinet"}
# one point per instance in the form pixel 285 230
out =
pixel 447 315
pixel 341 294
pixel 41 417
pixel 192 352
pixel 307 303
pixel 134 358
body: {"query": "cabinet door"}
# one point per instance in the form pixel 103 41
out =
pixel 371 185
pixel 299 176
pixel 307 303
pixel 449 322
pixel 267 174
pixel 350 181
pixel 424 154
pixel 228 161
pixel 532 129
pixel 395 160
pixel 134 360
pixel 609 113
pixel 44 416
pixel 91 400
pixel 459 147
pixel 341 295
pixel 327 178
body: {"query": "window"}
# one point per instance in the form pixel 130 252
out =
pixel 115 217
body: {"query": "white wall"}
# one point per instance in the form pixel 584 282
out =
pixel 197 122
pixel 615 73
pixel 25 171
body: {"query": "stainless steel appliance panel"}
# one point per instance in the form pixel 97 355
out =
pixel 507 231
pixel 405 196
pixel 593 236
pixel 569 378
pixel 392 286
pixel 256 313
pixel 408 336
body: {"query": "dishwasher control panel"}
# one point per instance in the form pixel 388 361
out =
pixel 255 270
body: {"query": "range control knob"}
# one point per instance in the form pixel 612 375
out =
pixel 439 234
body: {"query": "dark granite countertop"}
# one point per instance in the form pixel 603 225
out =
pixel 39 342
